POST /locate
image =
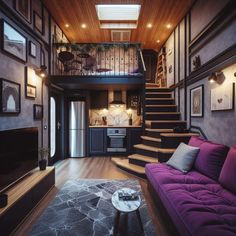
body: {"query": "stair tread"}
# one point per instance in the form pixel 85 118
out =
pixel 149 87
pixel 172 105
pixel 160 99
pixel 150 138
pixel 165 121
pixel 179 134
pixel 159 130
pixel 152 84
pixel 154 149
pixel 158 93
pixel 162 113
pixel 125 163
pixel 143 158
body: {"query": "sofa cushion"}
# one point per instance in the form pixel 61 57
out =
pixel 210 159
pixel 183 157
pixel 196 141
pixel 228 173
pixel 197 204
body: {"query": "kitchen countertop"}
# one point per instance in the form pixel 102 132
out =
pixel 115 126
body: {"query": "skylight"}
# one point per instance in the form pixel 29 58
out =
pixel 118 12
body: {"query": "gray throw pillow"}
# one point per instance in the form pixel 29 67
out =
pixel 183 157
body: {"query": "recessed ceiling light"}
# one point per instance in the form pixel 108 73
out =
pixel 83 26
pixel 158 41
pixel 149 25
pixel 118 12
pixel 168 26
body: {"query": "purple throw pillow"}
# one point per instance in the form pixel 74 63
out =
pixel 228 172
pixel 210 159
pixel 196 141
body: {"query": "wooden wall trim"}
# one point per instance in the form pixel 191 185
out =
pixel 185 67
pixel 224 59
pixel 213 24
pixel 178 67
pixel 212 32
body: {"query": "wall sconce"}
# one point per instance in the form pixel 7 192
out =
pixel 42 71
pixel 217 77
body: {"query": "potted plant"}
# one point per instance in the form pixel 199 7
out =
pixel 43 154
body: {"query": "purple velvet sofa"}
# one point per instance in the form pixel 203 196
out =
pixel 203 201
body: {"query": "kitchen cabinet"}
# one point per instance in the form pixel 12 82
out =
pixel 134 137
pixel 97 141
pixel 99 99
pixel 150 60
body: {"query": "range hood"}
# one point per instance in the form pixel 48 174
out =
pixel 117 99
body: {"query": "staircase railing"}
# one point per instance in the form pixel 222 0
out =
pixel 200 130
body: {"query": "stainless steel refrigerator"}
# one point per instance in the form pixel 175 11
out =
pixel 77 129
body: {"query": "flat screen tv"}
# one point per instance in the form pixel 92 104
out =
pixel 18 154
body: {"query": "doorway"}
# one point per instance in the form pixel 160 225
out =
pixel 56 127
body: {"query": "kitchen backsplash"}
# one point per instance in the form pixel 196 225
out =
pixel 114 115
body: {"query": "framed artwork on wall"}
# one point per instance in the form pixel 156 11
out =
pixel 13 42
pixel 196 101
pixel 32 49
pixel 9 97
pixel 38 112
pixel 23 7
pixel 30 91
pixel 38 22
pixel 30 76
pixel 222 97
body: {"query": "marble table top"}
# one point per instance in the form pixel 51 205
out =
pixel 125 206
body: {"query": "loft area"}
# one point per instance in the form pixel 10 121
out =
pixel 117 118
pixel 98 59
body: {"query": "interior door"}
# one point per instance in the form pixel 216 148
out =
pixel 56 127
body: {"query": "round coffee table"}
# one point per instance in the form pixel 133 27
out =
pixel 125 207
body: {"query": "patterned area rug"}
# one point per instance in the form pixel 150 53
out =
pixel 84 208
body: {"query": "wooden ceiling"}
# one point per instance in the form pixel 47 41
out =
pixel 157 12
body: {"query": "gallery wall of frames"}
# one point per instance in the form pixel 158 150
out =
pixel 25 39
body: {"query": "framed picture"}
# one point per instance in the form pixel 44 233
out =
pixel 38 22
pixel 9 97
pixel 222 97
pixel 23 7
pixel 38 112
pixel 196 101
pixel 32 49
pixel 14 43
pixel 30 77
pixel 30 91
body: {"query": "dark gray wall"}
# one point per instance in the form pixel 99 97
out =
pixel 14 70
pixel 193 39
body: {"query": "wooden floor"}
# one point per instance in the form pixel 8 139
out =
pixel 92 168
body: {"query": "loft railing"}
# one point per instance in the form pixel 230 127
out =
pixel 90 59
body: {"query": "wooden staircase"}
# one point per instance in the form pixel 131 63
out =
pixel 158 141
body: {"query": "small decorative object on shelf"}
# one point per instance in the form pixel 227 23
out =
pixel 43 154
pixel 104 120
pixel 130 121
pixel 130 116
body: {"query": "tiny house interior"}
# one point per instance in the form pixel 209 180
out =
pixel 117 117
